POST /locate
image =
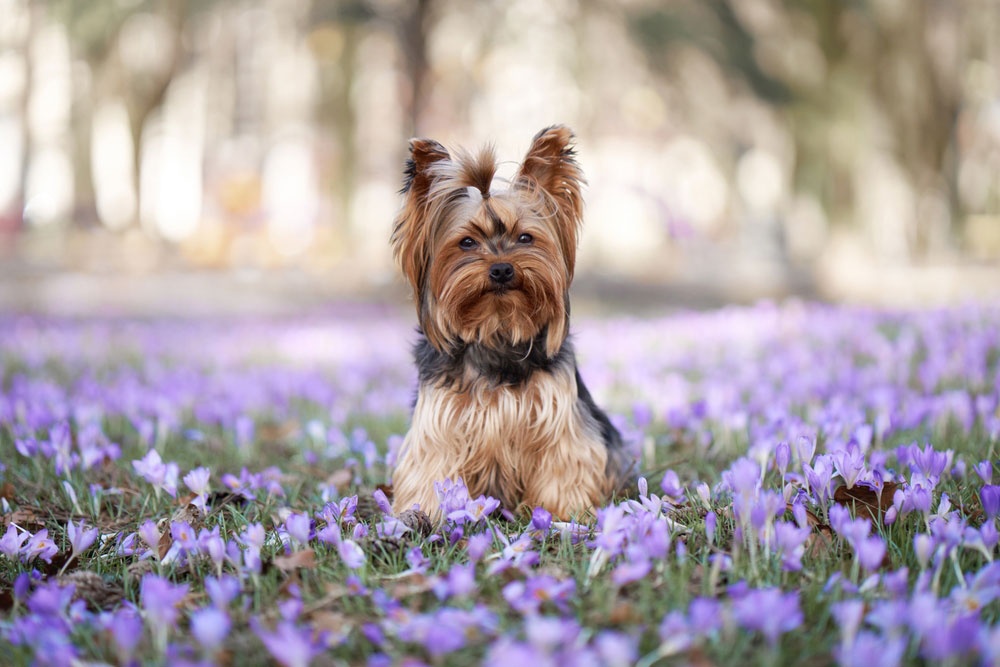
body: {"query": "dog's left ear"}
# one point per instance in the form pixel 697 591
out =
pixel 550 168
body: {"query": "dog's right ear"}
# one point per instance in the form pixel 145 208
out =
pixel 423 153
pixel 410 232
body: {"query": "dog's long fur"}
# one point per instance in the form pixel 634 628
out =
pixel 500 402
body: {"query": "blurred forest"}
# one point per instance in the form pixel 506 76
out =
pixel 763 147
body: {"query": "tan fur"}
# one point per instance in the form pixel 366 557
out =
pixel 528 445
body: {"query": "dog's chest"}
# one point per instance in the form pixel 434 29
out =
pixel 530 415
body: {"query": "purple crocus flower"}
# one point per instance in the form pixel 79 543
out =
pixel 161 475
pixel 507 652
pixel 197 480
pixel 150 534
pixel 768 611
pixel 528 596
pixel 820 478
pixel 184 535
pixel 989 495
pixel 391 527
pixel 159 598
pixel 549 632
pixel 477 545
pixel 849 614
pixel 870 551
pixel 615 649
pixel 782 457
pixel 417 561
pixel 382 502
pixel 12 541
pixel 631 570
pixel 849 463
pixel 868 649
pixel 985 471
pixel 541 520
pixel 289 644
pixel 80 538
pixel 40 546
pixel 126 632
pixel 705 616
pixel 52 601
pixel 222 590
pixel 675 633
pixel 474 510
pixel 452 495
pixel 351 554
pixel 927 462
pixel 805 448
pixel 851 529
pixel 790 540
pixel 956 637
pixel 210 626
pixel 673 491
pixel 710 523
pixel 743 477
pixel 297 525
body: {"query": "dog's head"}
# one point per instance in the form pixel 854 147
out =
pixel 491 267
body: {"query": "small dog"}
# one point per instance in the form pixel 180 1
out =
pixel 500 402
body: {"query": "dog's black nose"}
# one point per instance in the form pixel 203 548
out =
pixel 502 273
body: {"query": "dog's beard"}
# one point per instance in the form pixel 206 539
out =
pixel 472 310
pixel 496 316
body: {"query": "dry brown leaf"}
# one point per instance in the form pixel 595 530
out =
pixel 696 658
pixel 298 560
pixel 864 501
pixel 819 542
pixel 24 517
pixel 624 613
pixel 330 621
pixel 340 479
pixel 8 491
pixel 276 432
pixel 414 584
pixel 189 513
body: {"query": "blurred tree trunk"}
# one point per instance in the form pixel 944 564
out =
pixel 413 29
pixel 33 19
pixel 148 96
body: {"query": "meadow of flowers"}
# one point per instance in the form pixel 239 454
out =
pixel 818 489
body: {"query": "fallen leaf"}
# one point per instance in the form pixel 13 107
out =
pixel 24 517
pixel 696 658
pixel 865 501
pixel 340 479
pixel 330 621
pixel 166 541
pixel 415 584
pixel 819 542
pixel 189 513
pixel 624 613
pixel 298 560
pixel 276 432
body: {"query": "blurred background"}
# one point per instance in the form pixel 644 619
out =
pixel 204 156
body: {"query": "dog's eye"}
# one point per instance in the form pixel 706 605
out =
pixel 525 238
pixel 468 243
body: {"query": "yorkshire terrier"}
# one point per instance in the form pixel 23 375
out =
pixel 500 402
